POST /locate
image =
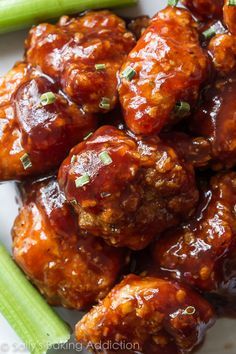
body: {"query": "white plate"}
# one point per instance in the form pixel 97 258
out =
pixel 221 339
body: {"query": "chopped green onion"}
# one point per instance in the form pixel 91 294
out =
pixel 18 14
pixel 216 28
pixel 88 135
pixel 231 3
pixel 73 202
pixel 26 310
pixel 190 310
pixel 25 160
pixel 129 73
pixel 173 2
pixel 47 98
pixel 82 180
pixel 182 108
pixel 73 159
pixel 100 67
pixel 105 103
pixel 105 158
pixel 209 33
pixel 105 195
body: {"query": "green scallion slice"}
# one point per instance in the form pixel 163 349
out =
pixel 73 202
pixel 82 181
pixel 100 67
pixel 209 33
pixel 88 136
pixel 182 108
pixel 105 158
pixel 216 28
pixel 105 103
pixel 173 2
pixel 190 310
pixel 73 159
pixel 231 3
pixel 25 160
pixel 129 73
pixel 47 98
pixel 105 195
pixel 27 312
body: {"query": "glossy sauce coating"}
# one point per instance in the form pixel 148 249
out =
pixel 69 51
pixel 202 251
pixel 151 314
pixel 68 269
pixel 215 121
pixel 205 9
pixel 170 66
pixel 144 189
pixel 230 17
pixel 222 48
pixel 45 133
pixel 10 137
pixel 196 151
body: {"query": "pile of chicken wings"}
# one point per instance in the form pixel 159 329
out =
pixel 122 136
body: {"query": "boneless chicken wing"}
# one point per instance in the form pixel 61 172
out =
pixel 127 189
pixel 202 252
pixel 68 269
pixel 150 315
pixel 36 135
pixel 222 49
pixel 83 54
pixel 215 121
pixel 166 66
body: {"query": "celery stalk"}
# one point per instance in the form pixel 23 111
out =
pixel 17 14
pixel 26 311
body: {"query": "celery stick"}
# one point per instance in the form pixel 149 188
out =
pixel 26 311
pixel 17 14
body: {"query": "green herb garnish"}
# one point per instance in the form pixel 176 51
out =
pixel 25 160
pixel 105 158
pixel 182 108
pixel 47 98
pixel 82 180
pixel 100 67
pixel 129 73
pixel 105 103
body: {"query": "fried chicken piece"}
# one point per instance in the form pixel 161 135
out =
pixel 151 314
pixel 35 138
pixel 205 9
pixel 202 252
pixel 230 16
pixel 215 121
pixel 222 48
pixel 71 50
pixel 127 189
pixel 69 270
pixel 167 65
